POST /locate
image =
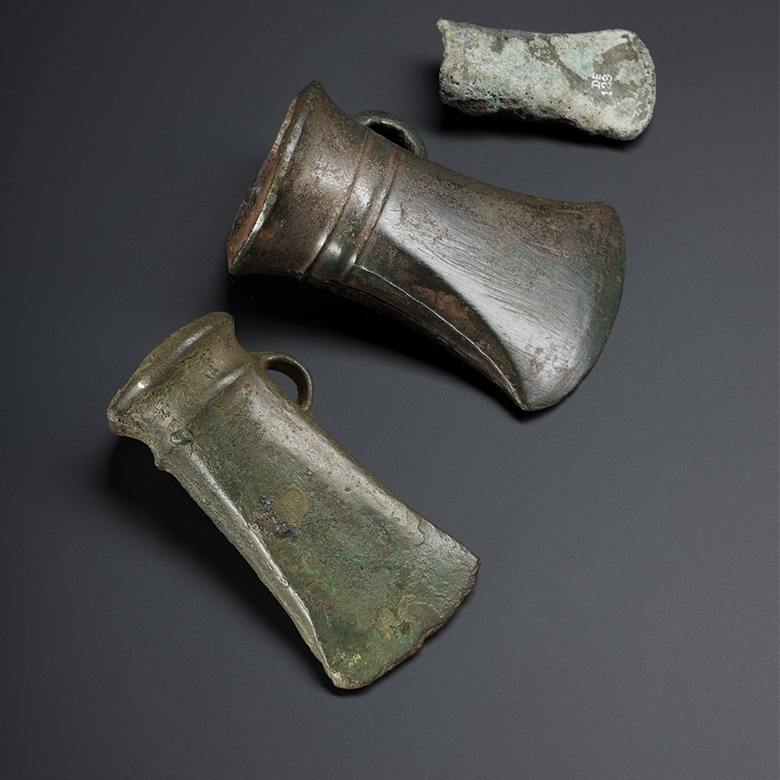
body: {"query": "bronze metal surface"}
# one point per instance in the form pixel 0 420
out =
pixel 522 288
pixel 365 578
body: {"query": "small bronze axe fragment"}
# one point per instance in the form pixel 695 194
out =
pixel 601 82
pixel 365 578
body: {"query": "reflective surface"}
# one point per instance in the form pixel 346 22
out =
pixel 524 289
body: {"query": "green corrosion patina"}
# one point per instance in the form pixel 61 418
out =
pixel 365 578
pixel 600 82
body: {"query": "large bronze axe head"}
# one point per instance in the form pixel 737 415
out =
pixel 364 577
pixel 524 289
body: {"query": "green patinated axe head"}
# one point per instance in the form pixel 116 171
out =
pixel 365 578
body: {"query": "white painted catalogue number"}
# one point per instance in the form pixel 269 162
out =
pixel 602 82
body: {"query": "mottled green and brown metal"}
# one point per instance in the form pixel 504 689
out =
pixel 601 82
pixel 524 289
pixel 365 578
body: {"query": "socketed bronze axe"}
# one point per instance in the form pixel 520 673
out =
pixel 364 578
pixel 522 288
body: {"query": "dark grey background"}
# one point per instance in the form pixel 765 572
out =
pixel 624 624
